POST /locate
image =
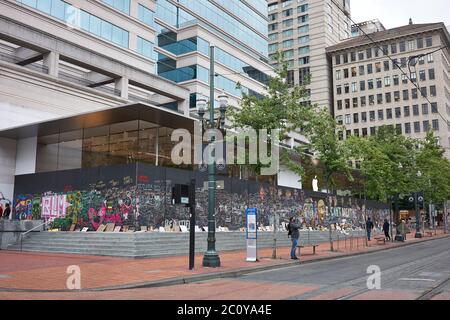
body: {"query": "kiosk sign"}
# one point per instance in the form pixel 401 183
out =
pixel 252 233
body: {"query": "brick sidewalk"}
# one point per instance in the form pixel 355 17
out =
pixel 46 271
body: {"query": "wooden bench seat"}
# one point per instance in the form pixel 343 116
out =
pixel 313 245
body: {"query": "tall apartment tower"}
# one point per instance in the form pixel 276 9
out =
pixel 302 30
pixel 370 90
pixel 367 27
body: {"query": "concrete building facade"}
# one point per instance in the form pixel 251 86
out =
pixel 370 90
pixel 62 58
pixel 302 30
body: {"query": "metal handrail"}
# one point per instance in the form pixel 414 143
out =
pixel 23 234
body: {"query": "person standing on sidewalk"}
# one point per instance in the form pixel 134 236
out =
pixel 369 227
pixel 386 229
pixel 295 235
pixel 7 211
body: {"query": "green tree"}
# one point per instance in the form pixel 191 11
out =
pixel 435 169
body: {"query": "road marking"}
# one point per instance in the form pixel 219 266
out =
pixel 415 279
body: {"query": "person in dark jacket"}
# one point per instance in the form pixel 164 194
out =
pixel 7 211
pixel 295 235
pixel 386 229
pixel 369 227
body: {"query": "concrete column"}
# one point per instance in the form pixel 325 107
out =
pixel 134 8
pixel 121 84
pixel 51 61
pixel 183 107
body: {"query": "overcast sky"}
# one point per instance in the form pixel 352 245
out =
pixel 395 13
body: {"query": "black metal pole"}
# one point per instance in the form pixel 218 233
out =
pixel 211 257
pixel 416 202
pixel 192 225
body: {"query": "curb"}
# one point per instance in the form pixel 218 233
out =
pixel 222 274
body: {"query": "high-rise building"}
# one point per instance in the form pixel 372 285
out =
pixel 186 29
pixel 60 58
pixel 302 30
pixel 370 89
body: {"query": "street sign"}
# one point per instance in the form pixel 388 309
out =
pixel 251 234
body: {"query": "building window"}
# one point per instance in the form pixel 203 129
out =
pixel 387 81
pixel 430 58
pixel 347 103
pixel 339 89
pixel 345 73
pixel 348 119
pixel 288 23
pixel 287 33
pixel 371 100
pixel 422 75
pixel 394 48
pixel 288 43
pixel 398 128
pixel 405 95
pixel 363 101
pixel 369 53
pixel 339 104
pixel 386 65
pixel 355 102
pixel 379 98
pixel 304 75
pixel 372 115
pixel 354 88
pixel 378 67
pixel 361 70
pixel 431 74
pixel 302 40
pixel 379 83
pixel 415 110
pixel 436 125
pixel 370 84
pixel 396 95
pixel 396 80
pixel 273 36
pixel 353 56
pixel 287 13
pixel 433 91
pixel 362 85
pixel 303 29
pixel 389 113
pixel 338 59
pixel 412 45
pixel 406 111
pixel 355 118
pixel 303 19
pixel 345 56
pixel 388 97
pixel 402 46
pixel 303 61
pixel 398 112
pixel 408 128
pixel 423 91
pixel 353 71
pixel 404 79
pixel 373 131
pixel 419 43
pixel 429 41
pixel 434 107
pixel 273 26
pixel 424 108
pixel 361 55
pixel 346 88
pixel 414 93
pixel 363 117
pixel 426 126
pixel 417 127
pixel 380 114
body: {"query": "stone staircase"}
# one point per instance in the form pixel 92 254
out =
pixel 152 244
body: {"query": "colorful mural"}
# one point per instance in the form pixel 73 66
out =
pixel 145 200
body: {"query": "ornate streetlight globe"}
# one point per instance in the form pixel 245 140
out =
pixel 201 106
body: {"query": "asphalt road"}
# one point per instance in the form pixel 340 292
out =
pixel 410 272
pixel 418 271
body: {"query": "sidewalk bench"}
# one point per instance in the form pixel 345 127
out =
pixel 300 246
pixel 380 239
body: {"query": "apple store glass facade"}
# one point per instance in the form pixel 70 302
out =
pixel 114 144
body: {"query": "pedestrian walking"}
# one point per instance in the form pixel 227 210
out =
pixel 386 229
pixel 369 227
pixel 402 229
pixel 7 211
pixel 295 235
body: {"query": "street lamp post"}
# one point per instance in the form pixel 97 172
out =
pixel 416 203
pixel 211 257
